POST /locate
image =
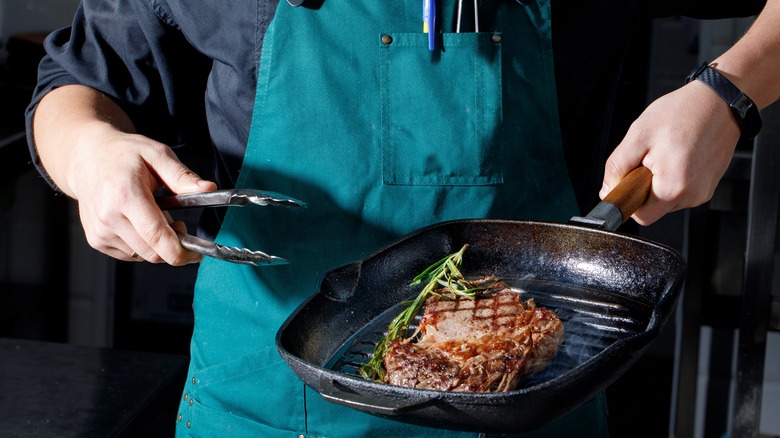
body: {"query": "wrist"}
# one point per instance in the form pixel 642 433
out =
pixel 742 107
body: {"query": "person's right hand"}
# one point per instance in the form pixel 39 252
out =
pixel 114 181
pixel 87 145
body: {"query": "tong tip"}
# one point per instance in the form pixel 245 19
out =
pixel 249 257
pixel 269 198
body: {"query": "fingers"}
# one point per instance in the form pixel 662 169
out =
pixel 170 172
pixel 146 217
pixel 148 232
pixel 653 210
pixel 627 156
pixel 120 239
pixel 134 231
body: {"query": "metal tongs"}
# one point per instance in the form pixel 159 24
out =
pixel 227 198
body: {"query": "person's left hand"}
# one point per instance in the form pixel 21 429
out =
pixel 686 138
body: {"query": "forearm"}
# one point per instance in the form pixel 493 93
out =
pixel 63 124
pixel 753 63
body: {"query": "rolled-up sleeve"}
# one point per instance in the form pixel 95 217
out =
pixel 132 51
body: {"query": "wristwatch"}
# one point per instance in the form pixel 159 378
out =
pixel 743 108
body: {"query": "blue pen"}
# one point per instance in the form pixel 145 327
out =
pixel 429 22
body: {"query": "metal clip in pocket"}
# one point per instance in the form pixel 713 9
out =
pixel 462 17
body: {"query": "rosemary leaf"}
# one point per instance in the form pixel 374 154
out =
pixel 444 273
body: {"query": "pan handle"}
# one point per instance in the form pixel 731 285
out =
pixel 626 198
pixel 380 405
pixel 632 191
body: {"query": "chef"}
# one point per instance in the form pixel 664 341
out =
pixel 380 127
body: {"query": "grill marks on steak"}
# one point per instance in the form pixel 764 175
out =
pixel 485 345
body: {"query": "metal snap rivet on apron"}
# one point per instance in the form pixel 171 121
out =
pixel 387 39
pixel 496 38
pixel 188 424
pixel 186 396
pixel 178 418
pixel 190 402
pixel 193 380
pixel 301 436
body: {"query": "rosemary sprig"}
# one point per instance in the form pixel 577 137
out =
pixel 445 273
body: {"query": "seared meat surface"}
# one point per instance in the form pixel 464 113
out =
pixel 485 345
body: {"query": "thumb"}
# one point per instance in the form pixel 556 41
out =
pixel 175 175
pixel 625 158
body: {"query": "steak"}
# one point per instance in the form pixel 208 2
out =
pixel 488 344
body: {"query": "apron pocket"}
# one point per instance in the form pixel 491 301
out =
pixel 208 422
pixel 441 110
pixel 247 387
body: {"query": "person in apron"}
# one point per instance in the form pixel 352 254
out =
pixel 380 135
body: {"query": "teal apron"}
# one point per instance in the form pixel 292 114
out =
pixel 380 136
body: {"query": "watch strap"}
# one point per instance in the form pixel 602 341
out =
pixel 743 108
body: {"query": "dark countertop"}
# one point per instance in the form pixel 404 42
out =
pixel 50 389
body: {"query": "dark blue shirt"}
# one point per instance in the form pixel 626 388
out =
pixel 185 71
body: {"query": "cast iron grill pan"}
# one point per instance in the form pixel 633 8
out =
pixel 613 292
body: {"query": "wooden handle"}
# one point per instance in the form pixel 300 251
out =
pixel 632 191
